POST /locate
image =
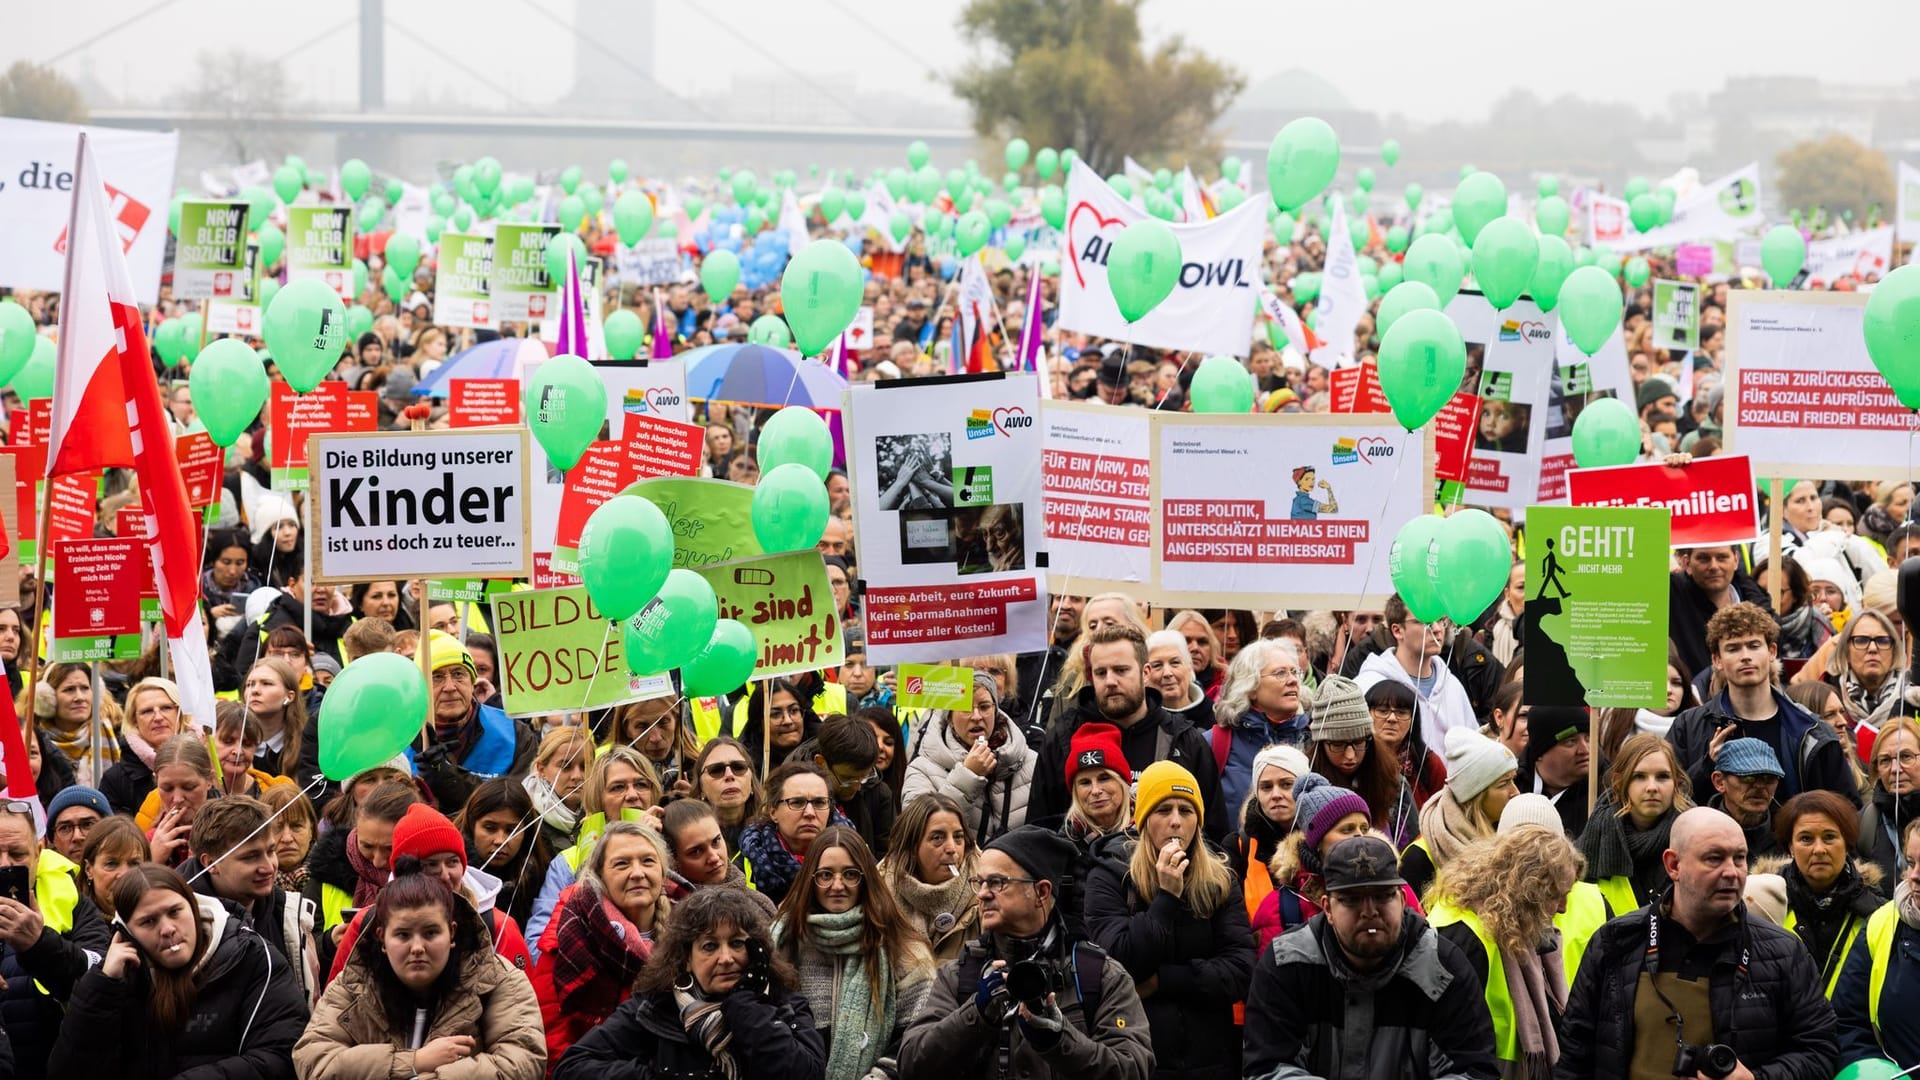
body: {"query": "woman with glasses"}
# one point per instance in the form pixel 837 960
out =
pixel 1894 799
pixel 930 857
pixel 46 943
pixel 621 786
pixel 1866 662
pixel 724 780
pixel 799 808
pixel 1260 704
pixel 864 970
pixel 1480 774
pixel 152 717
pixel 977 759
pixel 780 716
pixel 1393 707
pixel 1345 753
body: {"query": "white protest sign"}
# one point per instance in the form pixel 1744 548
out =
pixel 425 504
pixel 1513 351
pixel 1907 218
pixel 1720 210
pixel 1343 299
pixel 1094 474
pixel 36 199
pixel 1212 306
pixel 656 388
pixel 653 261
pixel 1865 256
pixel 1578 380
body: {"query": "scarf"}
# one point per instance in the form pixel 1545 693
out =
pixel 1538 989
pixel 1504 643
pixel 934 910
pixel 140 747
pixel 1860 701
pixel 1821 918
pixel 593 940
pixel 707 1026
pixel 1907 904
pixel 548 804
pixel 459 738
pixel 1448 829
pixel 860 1030
pixel 1801 632
pixel 1614 848
pixel 293 880
pixel 774 867
pixel 368 878
pixel 1265 834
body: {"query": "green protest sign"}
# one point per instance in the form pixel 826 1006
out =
pixel 465 590
pixel 460 296
pixel 210 255
pixel 787 603
pixel 320 245
pixel 935 686
pixel 522 289
pixel 558 654
pixel 1676 315
pixel 1596 606
pixel 712 519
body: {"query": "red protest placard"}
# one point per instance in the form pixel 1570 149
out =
pixel 130 523
pixel 483 402
pixel 544 576
pixel 96 586
pixel 599 475
pixel 18 431
pixel 1453 429
pixel 1356 390
pixel 29 467
pixel 71 506
pixel 40 421
pixel 293 416
pixel 202 465
pixel 362 409
pixel 1711 498
pixel 657 447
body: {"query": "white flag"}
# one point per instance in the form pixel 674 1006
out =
pixel 1342 298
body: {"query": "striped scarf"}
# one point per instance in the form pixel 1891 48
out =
pixel 702 1018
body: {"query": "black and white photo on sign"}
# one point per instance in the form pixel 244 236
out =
pixel 989 539
pixel 915 471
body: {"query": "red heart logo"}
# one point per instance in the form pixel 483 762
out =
pixel 1360 447
pixel 1073 248
pixel 1001 414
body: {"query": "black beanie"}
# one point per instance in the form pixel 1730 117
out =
pixel 1045 854
pixel 1548 725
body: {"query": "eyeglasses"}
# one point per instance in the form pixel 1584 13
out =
pixel 1876 641
pixel 19 806
pixel 78 827
pixel 1903 759
pixel 1347 746
pixel 1285 674
pixel 1386 713
pixel 850 875
pixel 797 805
pixel 717 769
pixel 996 884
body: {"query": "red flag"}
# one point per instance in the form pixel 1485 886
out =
pixel 112 401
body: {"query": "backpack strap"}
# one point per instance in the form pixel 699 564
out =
pixel 1291 913
pixel 1089 972
pixel 1222 746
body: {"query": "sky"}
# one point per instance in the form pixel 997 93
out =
pixel 1463 55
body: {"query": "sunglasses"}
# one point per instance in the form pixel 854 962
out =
pixel 717 769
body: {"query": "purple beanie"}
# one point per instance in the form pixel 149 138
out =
pixel 1321 805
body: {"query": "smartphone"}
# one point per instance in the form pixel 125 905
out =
pixel 15 885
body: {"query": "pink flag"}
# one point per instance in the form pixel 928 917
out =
pixel 573 314
pixel 662 329
pixel 1033 327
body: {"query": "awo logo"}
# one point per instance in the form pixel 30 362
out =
pixel 1005 420
pixel 1348 450
pixel 129 217
pixel 1516 330
pixel 980 424
pixel 651 401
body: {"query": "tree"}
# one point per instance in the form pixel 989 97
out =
pixel 1838 173
pixel 1076 73
pixel 32 92
pixel 240 94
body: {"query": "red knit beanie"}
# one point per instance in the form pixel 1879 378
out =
pixel 424 831
pixel 1096 746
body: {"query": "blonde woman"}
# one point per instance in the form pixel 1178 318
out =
pixel 1165 903
pixel 558 782
pixel 621 785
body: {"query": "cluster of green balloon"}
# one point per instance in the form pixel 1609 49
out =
pixel 725 664
pixel 673 627
pixel 789 509
pixel 387 696
pixel 229 385
pixel 1221 385
pixel 1606 433
pixel 1470 562
pixel 626 550
pixel 1590 308
pixel 1783 251
pixel 1301 162
pixel 1143 267
pixel 1892 329
pixel 17 337
pixel 566 404
pixel 1422 360
pixel 305 327
pixel 820 293
pixel 1504 260
pixel 771 331
pixel 1407 565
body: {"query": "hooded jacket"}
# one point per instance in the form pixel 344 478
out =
pixel 772 1038
pixel 1809 751
pixel 1159 736
pixel 245 1019
pixel 351 1038
pixel 994 803
pixel 1448 707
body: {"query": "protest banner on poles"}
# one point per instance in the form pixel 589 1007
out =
pixel 1095 480
pixel 1865 256
pixel 475 403
pixel 420 504
pixel 1288 512
pixel 131 521
pixel 1711 498
pixel 320 246
pixel 1212 307
pixel 1596 606
pixel 1676 315
pixel 28 466
pixel 521 288
pixel 210 251
pixel 460 284
pixel 96 599
pixel 36 199
pixel 948 512
pixel 786 600
pixel 72 506
pixel 1907 214
pixel 202 466
pixel 1721 209
pixel 559 654
pixel 1509 362
pixel 653 261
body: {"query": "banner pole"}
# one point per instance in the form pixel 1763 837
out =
pixel 39 591
pixel 1775 516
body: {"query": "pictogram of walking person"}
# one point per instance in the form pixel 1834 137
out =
pixel 1550 575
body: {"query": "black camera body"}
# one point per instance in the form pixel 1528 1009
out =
pixel 1715 1060
pixel 1030 981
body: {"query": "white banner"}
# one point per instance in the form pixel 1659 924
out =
pixel 656 388
pixel 1212 307
pixel 653 261
pixel 878 218
pixel 1864 256
pixel 1907 217
pixel 36 199
pixel 1578 379
pixel 1720 210
pixel 1606 220
pixel 421 504
pixel 948 513
pixel 1509 366
pixel 1095 473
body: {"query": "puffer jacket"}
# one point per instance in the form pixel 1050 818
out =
pixel 40 979
pixel 351 1038
pixel 1202 964
pixel 994 803
pixel 772 1038
pixel 247 1016
pixel 1780 1023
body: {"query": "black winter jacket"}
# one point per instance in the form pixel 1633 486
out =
pixel 1047 805
pixel 127 782
pixel 644 1040
pixel 1773 1014
pixel 56 962
pixel 1202 966
pixel 1818 761
pixel 1689 608
pixel 56 769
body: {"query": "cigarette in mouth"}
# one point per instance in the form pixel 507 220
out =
pixel 176 947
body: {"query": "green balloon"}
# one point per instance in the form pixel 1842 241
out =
pixel 273 244
pixel 1548 187
pixel 918 154
pixel 354 179
pixel 306 329
pixel 1221 384
pixel 462 218
pixel 624 333
pixel 1015 247
pixel 1606 433
pixel 1284 227
pixel 168 342
pixel 1390 275
pixel 771 331
pixel 617 170
pixel 665 229
pixel 229 386
pixel 1504 260
pixel 269 288
pixel 1582 256
pixel 570 211
pixel 288 182
pixel 558 248
pixel 1364 179
pixel 1409 565
pixel 1305 287
pixel 371 213
pixel 1870 1069
pixel 1162 178
pixel 1233 196
pixel 359 277
pixel 1782 253
pixel 1413 196
pixel 1053 206
pixel 1143 266
pixel 1590 308
pixel 820 293
pixel 1017 151
pixel 790 508
pixel 719 273
pixel 1230 167
pixel 971 233
pixel 486 176
pixel 1301 161
pixel 1552 214
pixel 1478 200
pixel 900 226
pixel 833 203
pixel 1892 329
pixel 1636 187
pixel 35 378
pixel 695 206
pixel 724 665
pixel 1644 212
pixel 260 202
pixel 1390 152
pixel 1636 271
pixel 1422 360
pixel 359 319
pixel 1358 232
pixel 1046 162
pixel 796 435
pixel 756 219
pixel 1666 196
pixel 673 627
pixel 570 179
pixel 386 695
pixel 626 550
pixel 403 254
pixel 566 403
pixel 745 186
pixel 592 198
pixel 1400 299
pixel 1556 262
pixel 632 217
pixel 17 335
pixel 1397 239
pixel 1467 170
pixel 1435 261
pixel 1472 562
pixel 999 212
pixel 1121 184
pixel 444 203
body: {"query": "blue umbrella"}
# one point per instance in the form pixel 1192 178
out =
pixel 487 360
pixel 758 375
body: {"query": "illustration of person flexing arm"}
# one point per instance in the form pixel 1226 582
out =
pixel 1304 506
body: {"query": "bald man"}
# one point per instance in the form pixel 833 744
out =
pixel 1692 971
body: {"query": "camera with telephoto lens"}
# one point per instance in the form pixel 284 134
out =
pixel 1030 981
pixel 1714 1060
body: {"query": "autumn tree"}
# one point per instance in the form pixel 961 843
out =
pixel 32 92
pixel 1837 173
pixel 1077 73
pixel 243 94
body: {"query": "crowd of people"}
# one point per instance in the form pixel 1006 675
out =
pixel 1185 844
